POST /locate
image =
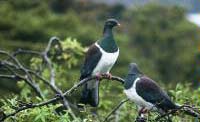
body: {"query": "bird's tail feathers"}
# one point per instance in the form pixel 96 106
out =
pixel 90 96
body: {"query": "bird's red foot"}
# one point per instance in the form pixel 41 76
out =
pixel 98 76
pixel 143 111
pixel 108 75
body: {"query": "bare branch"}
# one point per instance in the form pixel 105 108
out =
pixel 52 74
pixel 115 109
pixel 13 65
pixel 27 78
pixel 22 51
pixel 183 108
pixel 28 107
pixel 8 76
pixel 43 79
pixel 46 58
pixel 74 88
pixel 57 98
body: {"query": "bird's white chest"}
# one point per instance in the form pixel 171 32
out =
pixel 106 62
pixel 133 96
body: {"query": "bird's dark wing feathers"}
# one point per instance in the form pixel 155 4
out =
pixel 151 92
pixel 92 58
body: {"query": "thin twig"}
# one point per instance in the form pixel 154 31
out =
pixel 13 65
pixel 28 107
pixel 115 109
pixel 43 79
pixel 173 111
pixel 8 76
pixel 74 88
pixel 52 75
pixel 57 98
pixel 8 66
pixel 22 51
pixel 46 58
pixel 28 79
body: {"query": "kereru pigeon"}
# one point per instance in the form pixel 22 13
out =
pixel 99 59
pixel 147 95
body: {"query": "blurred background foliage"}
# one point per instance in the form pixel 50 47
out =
pixel 159 38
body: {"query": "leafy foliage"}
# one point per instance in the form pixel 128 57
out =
pixel 161 40
pixel 108 96
pixel 158 38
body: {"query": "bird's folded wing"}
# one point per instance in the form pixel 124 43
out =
pixel 92 58
pixel 151 92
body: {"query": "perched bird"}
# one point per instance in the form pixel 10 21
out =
pixel 100 58
pixel 147 95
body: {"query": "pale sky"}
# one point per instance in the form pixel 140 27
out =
pixel 195 18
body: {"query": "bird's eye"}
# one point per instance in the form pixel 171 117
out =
pixel 110 23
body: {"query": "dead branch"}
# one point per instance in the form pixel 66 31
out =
pixel 182 108
pixel 51 82
pixel 27 78
pixel 115 109
pixel 28 72
pixel 57 98
pixel 17 71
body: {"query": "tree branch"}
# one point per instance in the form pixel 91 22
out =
pixel 27 78
pixel 22 51
pixel 9 76
pixel 180 109
pixel 57 98
pixel 52 75
pixel 115 109
pixel 74 88
pixel 18 71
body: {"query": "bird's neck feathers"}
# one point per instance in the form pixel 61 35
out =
pixel 130 79
pixel 107 31
pixel 107 42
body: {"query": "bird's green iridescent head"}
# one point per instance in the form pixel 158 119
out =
pixel 108 42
